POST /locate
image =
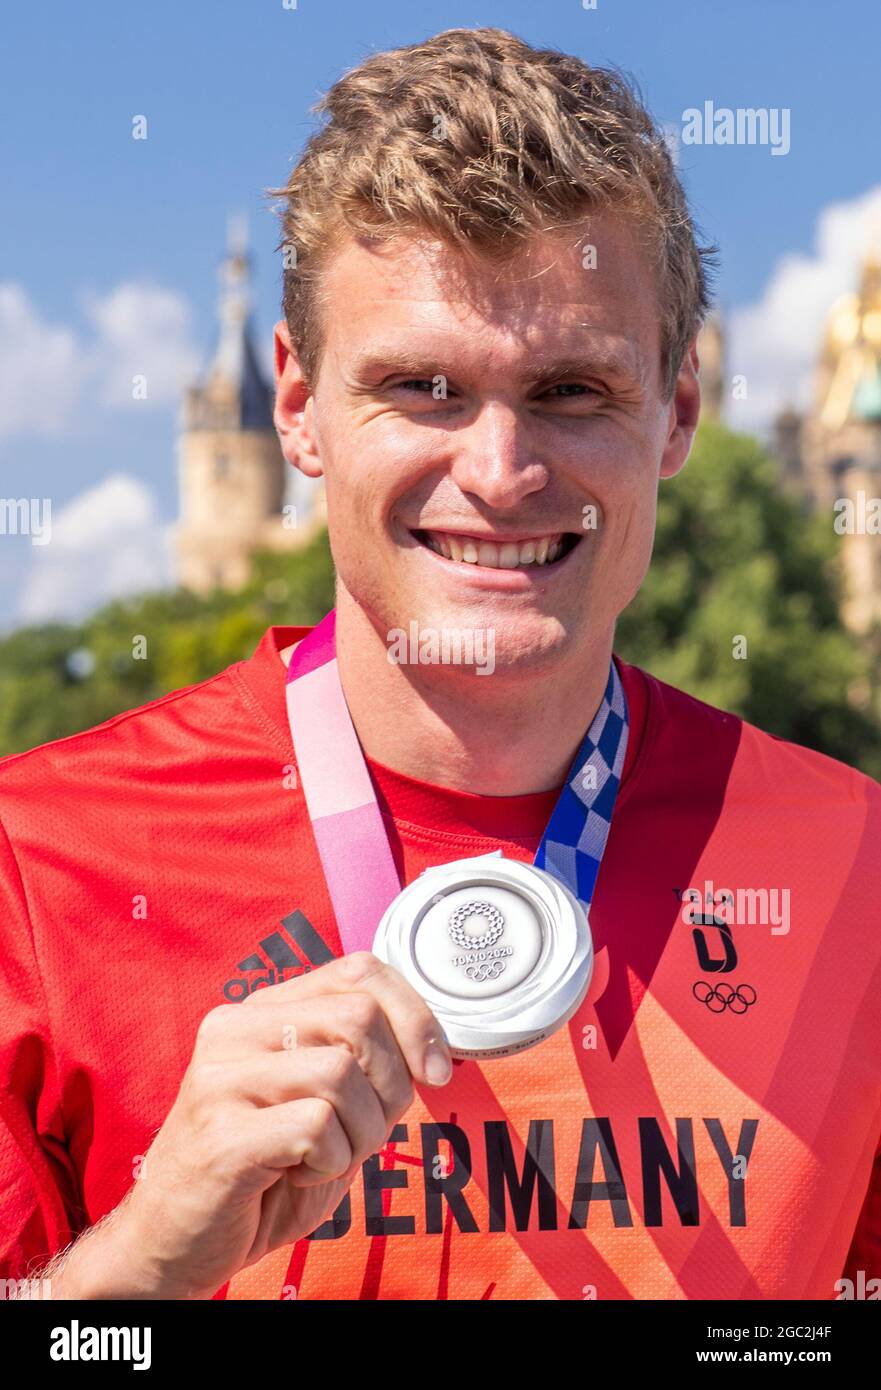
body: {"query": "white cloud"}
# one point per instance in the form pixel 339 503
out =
pixel 106 543
pixel 50 374
pixel 141 331
pixel 42 371
pixel 775 342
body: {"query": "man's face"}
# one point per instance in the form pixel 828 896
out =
pixel 464 413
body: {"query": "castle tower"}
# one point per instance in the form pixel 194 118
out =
pixel 842 434
pixel 711 356
pixel 231 471
pixel 841 431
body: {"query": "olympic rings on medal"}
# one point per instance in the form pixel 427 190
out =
pixel 723 996
pixel 485 970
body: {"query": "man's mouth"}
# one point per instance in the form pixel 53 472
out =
pixel 524 553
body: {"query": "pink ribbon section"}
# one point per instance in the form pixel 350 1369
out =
pixel 352 842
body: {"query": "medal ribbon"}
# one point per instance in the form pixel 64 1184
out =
pixel 352 843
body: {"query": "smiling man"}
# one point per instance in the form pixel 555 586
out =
pixel 209 1090
pixel 491 440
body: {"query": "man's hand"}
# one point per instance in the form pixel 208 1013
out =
pixel 284 1098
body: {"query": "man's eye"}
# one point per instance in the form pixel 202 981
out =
pixel 417 384
pixel 570 388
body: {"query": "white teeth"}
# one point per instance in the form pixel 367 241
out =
pixel 508 556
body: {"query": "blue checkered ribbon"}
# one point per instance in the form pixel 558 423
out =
pixel 575 837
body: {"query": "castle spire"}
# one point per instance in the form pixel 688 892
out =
pixel 235 369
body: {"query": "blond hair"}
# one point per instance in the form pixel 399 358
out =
pixel 481 141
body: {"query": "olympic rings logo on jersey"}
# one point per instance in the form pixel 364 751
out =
pixel 718 998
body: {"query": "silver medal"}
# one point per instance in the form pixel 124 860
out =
pixel 500 951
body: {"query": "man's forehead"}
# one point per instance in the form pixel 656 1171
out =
pixel 576 266
pixel 408 332
pixel 535 345
pixel 409 301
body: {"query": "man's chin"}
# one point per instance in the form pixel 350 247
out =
pixel 481 635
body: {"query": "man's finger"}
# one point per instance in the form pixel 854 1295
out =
pixel 417 1031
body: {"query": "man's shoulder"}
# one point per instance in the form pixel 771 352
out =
pixel 773 766
pixel 118 748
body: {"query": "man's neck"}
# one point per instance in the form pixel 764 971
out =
pixel 492 735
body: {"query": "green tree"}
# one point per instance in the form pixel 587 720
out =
pixel 59 679
pixel 736 557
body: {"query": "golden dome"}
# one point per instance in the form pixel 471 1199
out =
pixel 852 346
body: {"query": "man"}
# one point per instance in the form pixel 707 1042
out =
pixel 489 355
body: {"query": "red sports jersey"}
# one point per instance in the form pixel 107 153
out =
pixel 704 1127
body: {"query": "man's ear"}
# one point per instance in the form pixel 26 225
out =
pixel 685 409
pixel 293 413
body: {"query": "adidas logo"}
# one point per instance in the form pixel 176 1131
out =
pixel 282 956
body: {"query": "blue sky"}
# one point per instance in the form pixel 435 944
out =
pixel 109 247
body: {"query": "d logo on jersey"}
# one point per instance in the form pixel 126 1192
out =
pixel 723 941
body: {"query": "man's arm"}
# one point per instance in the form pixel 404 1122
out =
pixel 93 1267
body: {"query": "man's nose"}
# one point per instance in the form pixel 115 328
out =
pixel 495 458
